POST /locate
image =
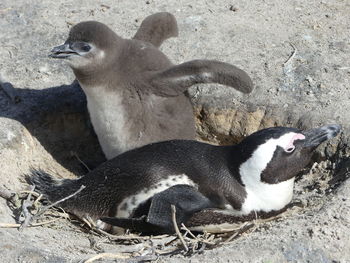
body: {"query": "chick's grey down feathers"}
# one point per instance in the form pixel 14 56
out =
pixel 156 28
pixel 149 91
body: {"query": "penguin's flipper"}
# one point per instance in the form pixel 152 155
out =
pixel 186 199
pixel 156 28
pixel 177 79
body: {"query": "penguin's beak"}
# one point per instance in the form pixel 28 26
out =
pixel 62 51
pixel 315 137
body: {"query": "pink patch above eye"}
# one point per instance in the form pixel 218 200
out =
pixel 297 136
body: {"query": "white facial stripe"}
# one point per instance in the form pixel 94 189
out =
pixel 128 205
pixel 263 155
pixel 262 196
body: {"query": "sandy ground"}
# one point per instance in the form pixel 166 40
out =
pixel 297 53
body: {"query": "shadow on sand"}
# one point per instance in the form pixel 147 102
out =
pixel 57 117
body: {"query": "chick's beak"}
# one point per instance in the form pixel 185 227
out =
pixel 62 51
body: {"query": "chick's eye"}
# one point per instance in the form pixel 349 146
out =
pixel 81 46
pixel 290 149
pixel 85 47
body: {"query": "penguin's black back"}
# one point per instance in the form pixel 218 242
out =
pixel 142 168
pixel 158 160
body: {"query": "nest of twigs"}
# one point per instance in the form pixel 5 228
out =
pixel 29 211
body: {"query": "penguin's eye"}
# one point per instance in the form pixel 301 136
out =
pixel 290 149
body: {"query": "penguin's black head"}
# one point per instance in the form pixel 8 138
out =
pixel 89 43
pixel 278 154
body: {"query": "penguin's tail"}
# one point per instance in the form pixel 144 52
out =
pixel 53 189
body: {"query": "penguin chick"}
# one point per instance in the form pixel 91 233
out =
pixel 135 95
pixel 137 188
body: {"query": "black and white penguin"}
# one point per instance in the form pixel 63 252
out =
pixel 137 188
pixel 135 95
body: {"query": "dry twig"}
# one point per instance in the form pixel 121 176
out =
pixel 45 208
pixel 29 192
pixel 36 202
pixel 84 164
pixel 173 216
pixel 166 251
pixel 183 227
pixel 109 256
pixel 127 237
pixel 291 57
pixel 239 231
pixel 27 203
pixel 124 255
pixel 6 225
pixel 10 196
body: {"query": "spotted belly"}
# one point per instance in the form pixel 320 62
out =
pixel 128 205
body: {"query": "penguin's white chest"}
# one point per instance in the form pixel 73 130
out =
pixel 108 118
pixel 264 197
pixel 267 197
